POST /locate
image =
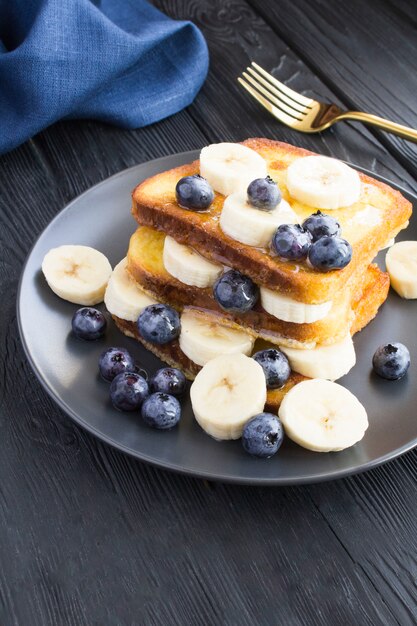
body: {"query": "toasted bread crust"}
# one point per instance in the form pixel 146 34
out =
pixel 173 356
pixel 146 266
pixel 154 205
pixel 365 309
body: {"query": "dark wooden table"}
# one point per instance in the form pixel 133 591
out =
pixel 89 536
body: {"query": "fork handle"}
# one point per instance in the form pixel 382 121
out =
pixel 390 127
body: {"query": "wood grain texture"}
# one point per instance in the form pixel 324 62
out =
pixel 89 536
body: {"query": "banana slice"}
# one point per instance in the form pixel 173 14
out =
pixel 388 244
pixel 323 183
pixel 202 341
pixel 229 167
pixel 242 222
pixel 78 274
pixel 323 416
pixel 226 393
pixel 330 362
pixel 189 266
pixel 289 310
pixel 124 298
pixel 401 261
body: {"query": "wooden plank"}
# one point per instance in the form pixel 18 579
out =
pixel 406 9
pixel 102 539
pixel 80 154
pixel 373 516
pixel 374 47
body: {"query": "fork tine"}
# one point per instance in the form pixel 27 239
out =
pixel 282 117
pixel 295 115
pixel 294 105
pixel 286 90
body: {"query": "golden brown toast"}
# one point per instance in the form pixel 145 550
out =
pixel 378 216
pixel 145 263
pixel 365 308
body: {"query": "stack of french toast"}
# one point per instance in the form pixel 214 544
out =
pixel 245 270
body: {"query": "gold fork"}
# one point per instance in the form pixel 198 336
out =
pixel 304 114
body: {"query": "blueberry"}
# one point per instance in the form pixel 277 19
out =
pixel 391 361
pixel 159 323
pixel 88 323
pixel 321 225
pixel 194 192
pixel 128 390
pixel 235 292
pixel 264 194
pixel 275 366
pixel 330 253
pixel 169 380
pixel 162 411
pixel 291 242
pixel 263 435
pixel 114 361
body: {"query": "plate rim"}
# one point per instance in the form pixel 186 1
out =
pixel 167 465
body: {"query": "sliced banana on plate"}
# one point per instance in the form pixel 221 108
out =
pixel 226 393
pixel 323 416
pixel 78 274
pixel 401 262
pixel 124 298
pixel 330 362
pixel 290 310
pixel 188 266
pixel 230 167
pixel 242 222
pixel 202 341
pixel 388 244
pixel 323 183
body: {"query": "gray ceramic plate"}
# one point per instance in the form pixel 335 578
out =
pixel 67 367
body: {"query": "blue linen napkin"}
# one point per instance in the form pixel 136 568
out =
pixel 119 61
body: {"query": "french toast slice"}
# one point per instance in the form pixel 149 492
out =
pixel 365 307
pixel 378 216
pixel 145 264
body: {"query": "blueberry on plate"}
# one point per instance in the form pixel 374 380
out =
pixel 114 361
pixel 330 253
pixel 391 361
pixel 291 241
pixel 160 410
pixel 128 390
pixel 321 225
pixel 263 435
pixel 169 380
pixel 159 323
pixel 264 194
pixel 88 323
pixel 235 292
pixel 194 192
pixel 275 365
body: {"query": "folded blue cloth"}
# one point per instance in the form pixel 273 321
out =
pixel 119 61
